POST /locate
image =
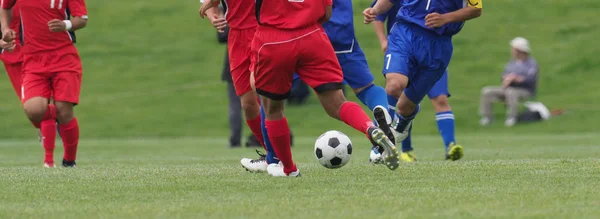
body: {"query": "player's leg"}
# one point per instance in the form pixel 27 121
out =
pixel 272 79
pixel 46 132
pixel 66 89
pixel 35 93
pixel 320 70
pixel 445 118
pixel 359 77
pixel 262 162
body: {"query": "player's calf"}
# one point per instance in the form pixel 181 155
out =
pixel 69 131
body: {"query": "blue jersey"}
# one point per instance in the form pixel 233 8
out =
pixel 414 11
pixel 340 27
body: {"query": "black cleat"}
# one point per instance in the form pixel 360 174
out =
pixel 68 163
pixel 384 121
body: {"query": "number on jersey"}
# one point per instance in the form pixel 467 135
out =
pixel 54 2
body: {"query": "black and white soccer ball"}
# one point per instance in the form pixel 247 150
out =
pixel 333 149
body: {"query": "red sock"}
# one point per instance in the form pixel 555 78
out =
pixel 50 115
pixel 70 136
pixel 48 129
pixel 352 114
pixel 279 135
pixel 256 128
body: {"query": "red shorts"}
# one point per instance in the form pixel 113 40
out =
pixel 277 54
pixel 15 75
pixel 239 58
pixel 52 74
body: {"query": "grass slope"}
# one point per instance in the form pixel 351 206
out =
pixel 152 68
pixel 527 176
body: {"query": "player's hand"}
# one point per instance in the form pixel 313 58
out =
pixel 208 4
pixel 369 14
pixel 8 35
pixel 219 23
pixel 384 45
pixel 57 25
pixel 7 46
pixel 434 20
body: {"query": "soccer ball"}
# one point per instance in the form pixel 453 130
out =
pixel 333 149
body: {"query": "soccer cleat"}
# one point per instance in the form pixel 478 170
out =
pixel 384 120
pixel 277 171
pixel 375 156
pixel 255 165
pixel 454 152
pixel 390 155
pixel 49 165
pixel 510 122
pixel 408 156
pixel 68 163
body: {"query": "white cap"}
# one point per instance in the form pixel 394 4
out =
pixel 520 44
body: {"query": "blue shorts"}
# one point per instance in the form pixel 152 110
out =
pixel 440 88
pixel 354 66
pixel 420 54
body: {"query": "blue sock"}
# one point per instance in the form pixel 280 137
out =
pixel 372 96
pixel 445 123
pixel 271 158
pixel 392 101
pixel 403 121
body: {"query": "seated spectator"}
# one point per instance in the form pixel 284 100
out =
pixel 519 83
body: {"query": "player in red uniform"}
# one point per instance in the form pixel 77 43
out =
pixel 13 60
pixel 242 25
pixel 290 39
pixel 51 63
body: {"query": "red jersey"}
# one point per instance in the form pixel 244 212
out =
pixel 15 24
pixel 239 13
pixel 290 14
pixel 35 15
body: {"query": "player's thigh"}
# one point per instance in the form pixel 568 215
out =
pixel 398 58
pixel 239 51
pixel 67 86
pixel 272 71
pixel 15 75
pixel 318 65
pixel 35 85
pixel 440 87
pixel 355 69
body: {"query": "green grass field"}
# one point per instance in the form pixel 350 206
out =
pixel 527 176
pixel 154 126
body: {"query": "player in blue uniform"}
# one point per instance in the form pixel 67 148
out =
pixel 419 51
pixel 340 30
pixel 438 94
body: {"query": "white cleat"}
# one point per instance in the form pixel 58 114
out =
pixel 49 165
pixel 255 165
pixel 277 171
pixel 391 157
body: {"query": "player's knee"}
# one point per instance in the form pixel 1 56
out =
pixel 273 109
pixel 395 84
pixel 250 104
pixel 332 101
pixel 35 110
pixel 64 112
pixel 440 103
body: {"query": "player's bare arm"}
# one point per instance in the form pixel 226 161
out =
pixel 379 8
pixel 74 24
pixel 210 10
pixel 379 27
pixel 8 35
pixel 435 20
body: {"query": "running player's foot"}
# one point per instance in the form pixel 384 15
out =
pixel 455 152
pixel 384 121
pixel 408 156
pixel 390 155
pixel 277 170
pixel 255 165
pixel 49 164
pixel 66 163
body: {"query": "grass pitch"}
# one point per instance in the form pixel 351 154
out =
pixel 527 176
